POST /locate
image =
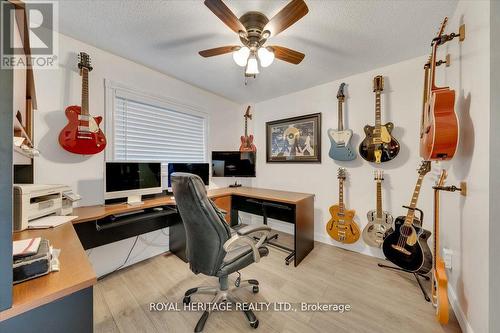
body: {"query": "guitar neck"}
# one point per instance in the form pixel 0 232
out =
pixel 379 199
pixel 378 118
pixel 413 204
pixel 341 120
pixel 246 126
pixel 85 91
pixel 436 226
pixel 341 196
pixel 433 69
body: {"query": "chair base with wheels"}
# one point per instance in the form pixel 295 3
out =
pixel 222 293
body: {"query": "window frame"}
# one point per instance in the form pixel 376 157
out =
pixel 113 89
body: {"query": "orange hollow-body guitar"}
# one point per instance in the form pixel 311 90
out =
pixel 439 278
pixel 439 125
pixel 341 225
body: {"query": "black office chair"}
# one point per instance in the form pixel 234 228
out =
pixel 212 248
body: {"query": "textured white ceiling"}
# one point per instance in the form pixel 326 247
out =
pixel 339 38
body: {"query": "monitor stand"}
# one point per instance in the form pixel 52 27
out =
pixel 134 200
pixel 235 184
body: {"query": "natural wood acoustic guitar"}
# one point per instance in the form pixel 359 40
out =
pixel 341 225
pixel 439 124
pixel 439 278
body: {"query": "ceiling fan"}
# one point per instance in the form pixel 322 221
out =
pixel 254 29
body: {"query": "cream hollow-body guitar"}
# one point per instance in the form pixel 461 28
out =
pixel 340 148
pixel 379 221
pixel 341 225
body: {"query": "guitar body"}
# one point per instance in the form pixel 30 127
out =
pixel 340 148
pixel 77 142
pixel 247 144
pixel 440 292
pixel 342 228
pixel 415 255
pixel 376 229
pixel 373 150
pixel 439 133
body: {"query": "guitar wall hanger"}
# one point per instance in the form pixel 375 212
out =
pixel 462 189
pixel 447 61
pixel 446 38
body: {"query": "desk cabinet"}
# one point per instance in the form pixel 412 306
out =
pixel 225 204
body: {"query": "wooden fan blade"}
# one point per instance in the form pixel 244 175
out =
pixel 225 14
pixel 290 14
pixel 288 55
pixel 218 51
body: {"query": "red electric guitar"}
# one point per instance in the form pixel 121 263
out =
pixel 82 134
pixel 247 140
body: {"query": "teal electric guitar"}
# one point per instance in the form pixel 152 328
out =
pixel 340 149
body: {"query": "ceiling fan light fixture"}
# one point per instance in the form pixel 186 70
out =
pixel 266 56
pixel 252 65
pixel 240 56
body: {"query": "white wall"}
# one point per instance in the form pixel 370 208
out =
pixel 494 166
pixel 56 89
pixel 464 220
pixel 401 104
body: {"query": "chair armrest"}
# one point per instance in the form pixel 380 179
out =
pixel 252 228
pixel 242 238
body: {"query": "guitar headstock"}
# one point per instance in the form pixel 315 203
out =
pixel 424 168
pixel 340 92
pixel 248 115
pixel 378 83
pixel 341 174
pixel 379 175
pixel 442 178
pixel 84 61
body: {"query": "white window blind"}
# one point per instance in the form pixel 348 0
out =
pixel 152 132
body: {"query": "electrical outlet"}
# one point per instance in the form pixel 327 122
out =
pixel 447 258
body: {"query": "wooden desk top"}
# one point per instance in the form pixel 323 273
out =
pixel 76 272
pixel 92 213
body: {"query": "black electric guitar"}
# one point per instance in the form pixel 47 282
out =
pixel 406 245
pixel 379 145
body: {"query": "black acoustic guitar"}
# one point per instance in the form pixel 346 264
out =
pixel 406 245
pixel 379 145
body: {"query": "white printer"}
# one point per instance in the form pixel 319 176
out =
pixel 32 201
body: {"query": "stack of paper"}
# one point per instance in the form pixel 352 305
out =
pixel 25 247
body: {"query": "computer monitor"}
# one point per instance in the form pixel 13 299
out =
pixel 233 164
pixel 131 180
pixel 200 169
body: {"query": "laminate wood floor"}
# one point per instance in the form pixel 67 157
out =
pixel 381 300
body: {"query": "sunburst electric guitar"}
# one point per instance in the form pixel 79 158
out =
pixel 82 134
pixel 340 148
pixel 439 124
pixel 379 145
pixel 406 244
pixel 247 144
pixel 439 278
pixel 341 225
pixel 379 221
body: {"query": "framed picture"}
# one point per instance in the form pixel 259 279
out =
pixel 296 139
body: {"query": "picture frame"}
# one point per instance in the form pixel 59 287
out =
pixel 294 140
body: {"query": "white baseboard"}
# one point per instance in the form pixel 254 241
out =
pixel 457 309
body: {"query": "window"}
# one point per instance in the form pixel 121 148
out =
pixel 149 129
